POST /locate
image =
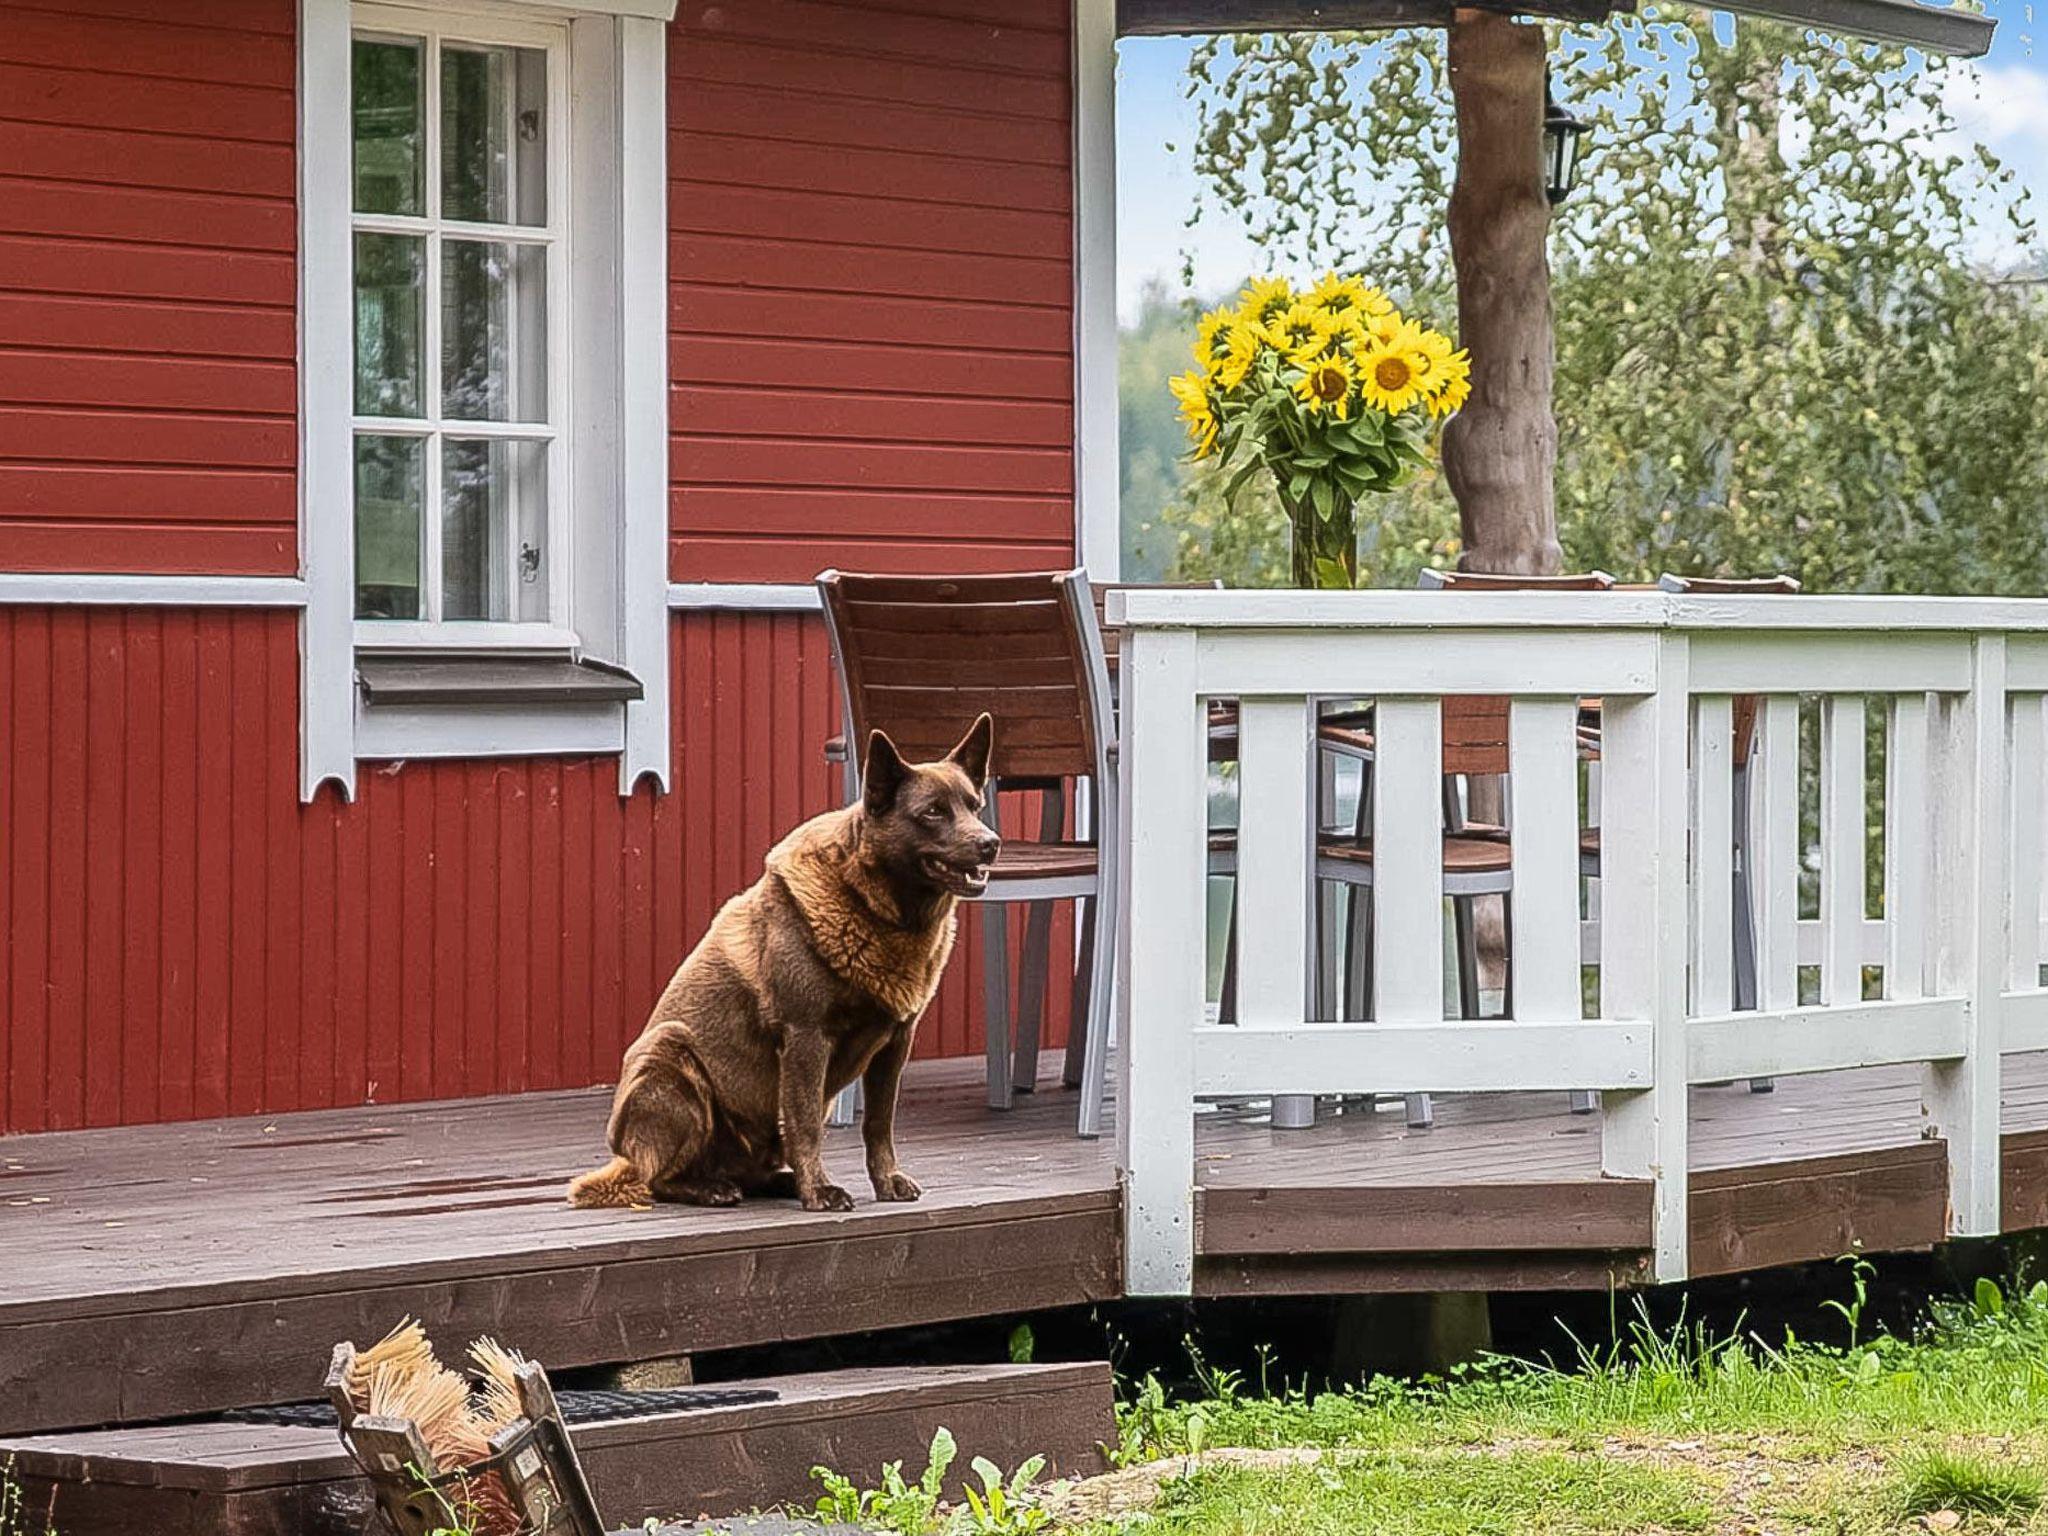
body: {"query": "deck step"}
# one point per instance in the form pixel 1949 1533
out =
pixel 224 1478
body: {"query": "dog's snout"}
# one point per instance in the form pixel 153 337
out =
pixel 988 845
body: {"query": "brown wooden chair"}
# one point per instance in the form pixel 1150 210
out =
pixel 920 657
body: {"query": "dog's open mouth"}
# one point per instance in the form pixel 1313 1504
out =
pixel 957 879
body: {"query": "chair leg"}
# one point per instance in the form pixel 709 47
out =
pixel 1463 918
pixel 995 980
pixel 1103 920
pixel 1226 1001
pixel 1077 1009
pixel 846 1105
pixel 1745 915
pixel 1034 970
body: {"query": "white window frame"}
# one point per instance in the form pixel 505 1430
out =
pixel 434 28
pixel 613 195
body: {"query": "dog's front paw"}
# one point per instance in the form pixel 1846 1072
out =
pixel 826 1197
pixel 896 1186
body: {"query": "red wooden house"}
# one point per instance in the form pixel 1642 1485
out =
pixel 419 425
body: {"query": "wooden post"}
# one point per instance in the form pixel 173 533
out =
pixel 1500 450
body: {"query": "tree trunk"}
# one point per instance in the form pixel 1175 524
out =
pixel 1500 450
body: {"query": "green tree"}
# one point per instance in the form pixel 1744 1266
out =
pixel 1774 349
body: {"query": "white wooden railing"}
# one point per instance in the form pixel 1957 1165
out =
pixel 1957 683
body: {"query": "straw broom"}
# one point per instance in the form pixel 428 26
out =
pixel 400 1377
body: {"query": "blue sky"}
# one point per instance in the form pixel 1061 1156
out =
pixel 2003 104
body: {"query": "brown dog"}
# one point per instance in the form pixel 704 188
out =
pixel 813 976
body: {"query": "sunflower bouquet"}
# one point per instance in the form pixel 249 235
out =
pixel 1333 390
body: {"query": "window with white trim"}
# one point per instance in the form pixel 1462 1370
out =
pixel 483 421
pixel 461 338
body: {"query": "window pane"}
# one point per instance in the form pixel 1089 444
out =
pixel 494 514
pixel 391 475
pixel 389 276
pixel 494 118
pixel 388 127
pixel 494 331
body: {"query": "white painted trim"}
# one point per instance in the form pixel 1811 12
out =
pixel 620 614
pixel 34 588
pixel 1098 476
pixel 1237 609
pixel 744 597
pixel 656 10
pixel 1492 1056
pixel 327 745
pixel 643 393
pixel 1826 1038
pixel 1414 661
pixel 2025 1017
pixel 398 732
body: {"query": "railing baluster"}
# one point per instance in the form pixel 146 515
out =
pixel 1408 885
pixel 1906 809
pixel 1966 787
pixel 1544 935
pixel 1160 941
pixel 1643 938
pixel 1841 849
pixel 2023 906
pixel 1774 856
pixel 1713 845
pixel 1274 832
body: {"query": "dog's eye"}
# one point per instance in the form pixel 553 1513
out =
pixel 932 813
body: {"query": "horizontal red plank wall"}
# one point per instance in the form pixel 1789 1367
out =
pixel 147 339
pixel 180 938
pixel 871 287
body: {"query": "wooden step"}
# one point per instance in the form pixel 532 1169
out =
pixel 234 1479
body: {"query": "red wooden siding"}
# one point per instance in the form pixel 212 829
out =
pixel 871 287
pixel 179 937
pixel 147 339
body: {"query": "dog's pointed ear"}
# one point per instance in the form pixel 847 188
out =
pixel 883 774
pixel 975 746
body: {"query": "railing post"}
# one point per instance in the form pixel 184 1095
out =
pixel 1643 937
pixel 1966 778
pixel 1163 781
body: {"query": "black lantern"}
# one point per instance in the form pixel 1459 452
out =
pixel 1561 135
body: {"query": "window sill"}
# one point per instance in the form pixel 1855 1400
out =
pixel 414 706
pixel 414 678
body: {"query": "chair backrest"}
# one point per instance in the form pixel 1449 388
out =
pixel 1434 580
pixel 1745 704
pixel 1728 585
pixel 921 656
pixel 1476 725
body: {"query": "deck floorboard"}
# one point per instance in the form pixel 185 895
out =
pixel 217 1261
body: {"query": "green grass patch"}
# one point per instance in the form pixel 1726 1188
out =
pixel 1968 1484
pixel 1435 1493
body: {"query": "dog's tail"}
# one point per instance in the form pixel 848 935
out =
pixel 617 1183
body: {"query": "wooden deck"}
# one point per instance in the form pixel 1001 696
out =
pixel 170 1270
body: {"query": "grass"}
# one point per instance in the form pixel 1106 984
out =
pixel 1955 1480
pixel 15 1519
pixel 1663 1431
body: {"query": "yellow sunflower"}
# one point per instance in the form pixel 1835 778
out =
pixel 1264 298
pixel 1378 329
pixel 1303 332
pixel 1455 386
pixel 1240 350
pixel 1344 296
pixel 1432 357
pixel 1191 389
pixel 1325 385
pixel 1387 377
pixel 1207 329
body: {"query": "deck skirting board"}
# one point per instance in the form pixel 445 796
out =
pixel 215 1479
